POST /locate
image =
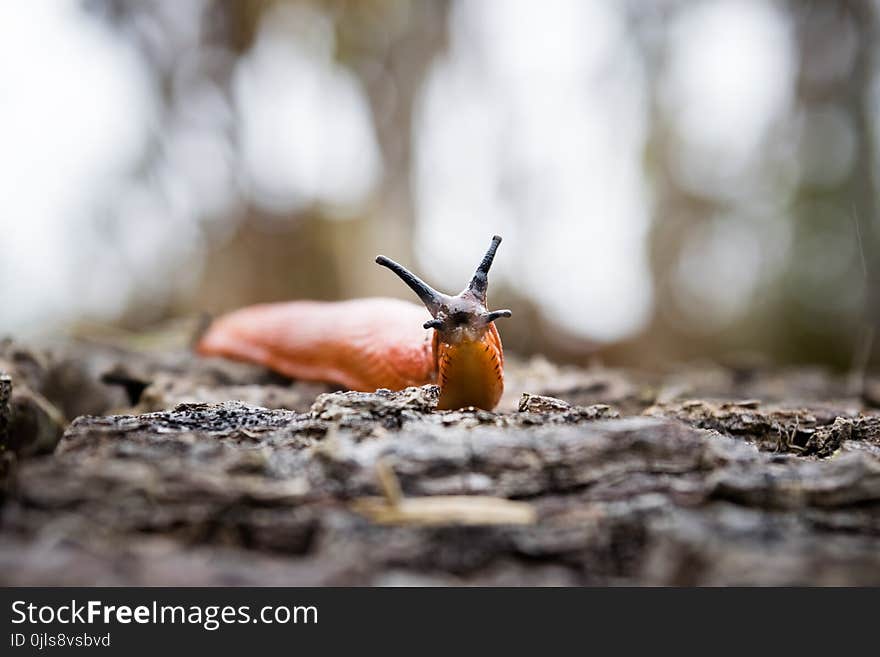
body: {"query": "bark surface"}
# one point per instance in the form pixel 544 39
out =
pixel 698 476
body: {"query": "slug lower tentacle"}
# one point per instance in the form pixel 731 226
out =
pixel 368 344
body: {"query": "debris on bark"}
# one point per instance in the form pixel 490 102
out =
pixel 370 413
pixel 440 510
pixel 780 429
pixel 165 391
pixel 550 409
pixel 579 387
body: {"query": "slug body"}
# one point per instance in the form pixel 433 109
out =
pixel 362 344
pixel 471 373
pixel 366 344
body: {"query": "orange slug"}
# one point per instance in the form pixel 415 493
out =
pixel 367 344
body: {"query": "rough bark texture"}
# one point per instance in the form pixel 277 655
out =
pixel 593 477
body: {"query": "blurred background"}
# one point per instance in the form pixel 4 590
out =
pixel 674 180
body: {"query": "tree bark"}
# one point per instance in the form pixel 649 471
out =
pixel 369 489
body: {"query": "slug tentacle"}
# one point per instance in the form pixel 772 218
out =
pixel 467 345
pixel 495 314
pixel 480 282
pixel 429 296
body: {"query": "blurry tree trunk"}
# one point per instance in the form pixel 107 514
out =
pixel 675 210
pixel 865 183
pixel 822 31
pixel 389 46
pixel 391 59
pixel 780 325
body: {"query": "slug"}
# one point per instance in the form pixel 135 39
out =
pixel 367 344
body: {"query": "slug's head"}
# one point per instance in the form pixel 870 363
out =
pixel 459 318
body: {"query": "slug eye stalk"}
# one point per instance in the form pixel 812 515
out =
pixel 432 299
pixel 466 308
pixel 480 282
pixel 496 314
